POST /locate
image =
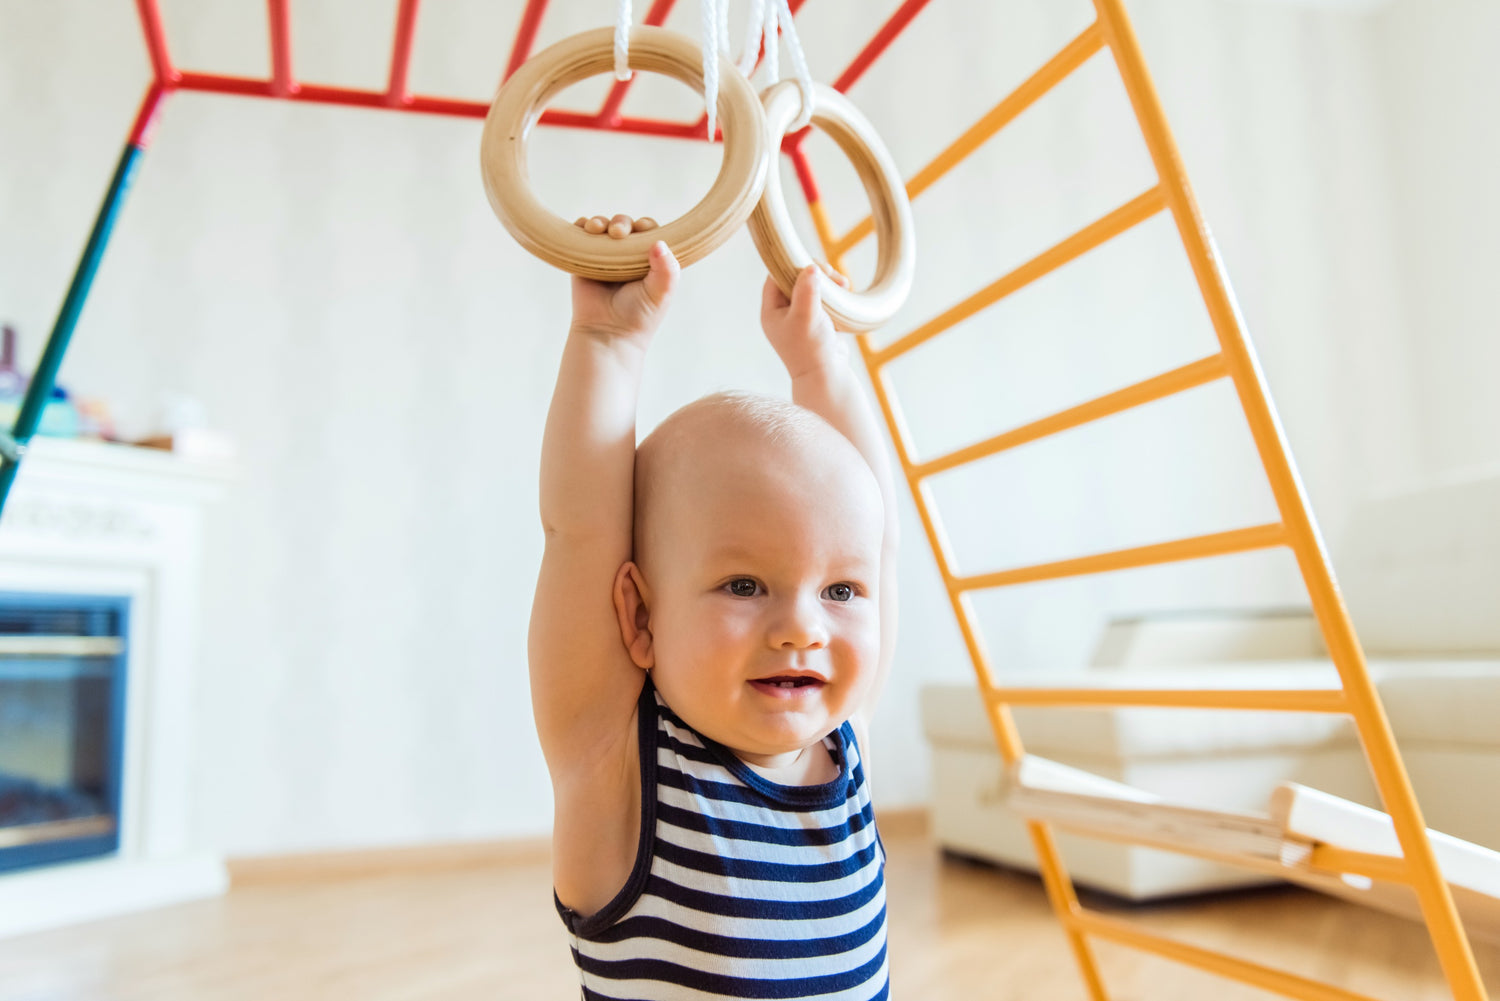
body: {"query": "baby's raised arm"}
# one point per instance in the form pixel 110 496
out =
pixel 817 358
pixel 583 684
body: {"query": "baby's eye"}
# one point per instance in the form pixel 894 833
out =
pixel 743 587
pixel 839 592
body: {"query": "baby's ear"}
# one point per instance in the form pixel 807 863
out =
pixel 630 593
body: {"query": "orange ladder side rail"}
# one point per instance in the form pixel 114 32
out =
pixel 1236 360
pixel 1375 732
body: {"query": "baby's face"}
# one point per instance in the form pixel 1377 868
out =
pixel 764 601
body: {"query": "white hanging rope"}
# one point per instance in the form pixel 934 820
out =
pixel 799 65
pixel 622 40
pixel 768 39
pixel 710 15
pixel 770 20
pixel 755 30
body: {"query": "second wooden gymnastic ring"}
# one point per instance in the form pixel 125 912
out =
pixel 771 224
pixel 521 101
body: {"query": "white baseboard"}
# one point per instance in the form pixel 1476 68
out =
pixel 87 891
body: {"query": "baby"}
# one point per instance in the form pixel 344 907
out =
pixel 713 624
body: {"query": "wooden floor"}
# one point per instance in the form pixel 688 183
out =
pixel 958 930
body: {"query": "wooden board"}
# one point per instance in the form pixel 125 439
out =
pixel 1282 841
pixel 1081 801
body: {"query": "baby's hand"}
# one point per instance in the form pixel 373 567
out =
pixel 800 329
pixel 627 309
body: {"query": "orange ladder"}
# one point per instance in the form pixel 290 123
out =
pixel 1296 530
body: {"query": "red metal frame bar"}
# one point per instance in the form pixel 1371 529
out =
pixel 520 49
pixel 406 30
pixel 145 117
pixel 877 45
pixel 350 97
pixel 156 42
pixel 804 173
pixel 279 14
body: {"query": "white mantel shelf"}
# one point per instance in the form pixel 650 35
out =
pixel 95 518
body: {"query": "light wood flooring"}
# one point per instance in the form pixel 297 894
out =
pixel 958 930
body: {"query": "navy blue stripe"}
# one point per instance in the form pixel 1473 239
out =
pixel 778 872
pixel 884 994
pixel 736 987
pixel 770 910
pixel 589 995
pixel 741 830
pixel 691 753
pixel 743 948
pixel 726 793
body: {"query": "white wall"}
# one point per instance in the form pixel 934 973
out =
pixel 1441 84
pixel 331 283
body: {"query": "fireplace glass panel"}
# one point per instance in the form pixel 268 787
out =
pixel 62 700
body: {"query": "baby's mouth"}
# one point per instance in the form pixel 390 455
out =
pixel 788 685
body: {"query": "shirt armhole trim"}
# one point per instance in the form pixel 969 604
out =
pixel 647 729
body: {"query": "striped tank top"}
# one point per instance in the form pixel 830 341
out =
pixel 742 887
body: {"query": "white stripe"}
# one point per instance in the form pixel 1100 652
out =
pixel 834 816
pixel 743 887
pixel 708 771
pixel 681 733
pixel 758 928
pixel 731 966
pixel 653 988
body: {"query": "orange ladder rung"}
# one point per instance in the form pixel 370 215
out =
pixel 1056 69
pixel 1132 213
pixel 1178 380
pixel 1387 868
pixel 1266 977
pixel 1237 540
pixel 1308 700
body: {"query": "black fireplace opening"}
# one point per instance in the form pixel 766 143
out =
pixel 62 726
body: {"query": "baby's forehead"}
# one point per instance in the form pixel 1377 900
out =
pixel 753 467
pixel 730 464
pixel 773 501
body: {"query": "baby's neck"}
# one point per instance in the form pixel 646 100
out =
pixel 811 766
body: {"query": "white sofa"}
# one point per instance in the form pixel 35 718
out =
pixel 1421 574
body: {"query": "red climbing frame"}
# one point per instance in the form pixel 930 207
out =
pixel 283 85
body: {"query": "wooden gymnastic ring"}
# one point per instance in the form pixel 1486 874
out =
pixel 771 224
pixel 521 101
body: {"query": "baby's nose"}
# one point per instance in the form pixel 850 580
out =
pixel 801 626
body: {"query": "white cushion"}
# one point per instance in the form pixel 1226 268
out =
pixel 1432 701
pixel 1453 702
pixel 954 714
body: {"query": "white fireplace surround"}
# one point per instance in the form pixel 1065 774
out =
pixel 91 518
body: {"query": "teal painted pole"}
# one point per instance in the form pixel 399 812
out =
pixel 13 445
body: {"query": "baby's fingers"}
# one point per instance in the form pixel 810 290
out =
pixel 839 278
pixel 807 297
pixel 661 280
